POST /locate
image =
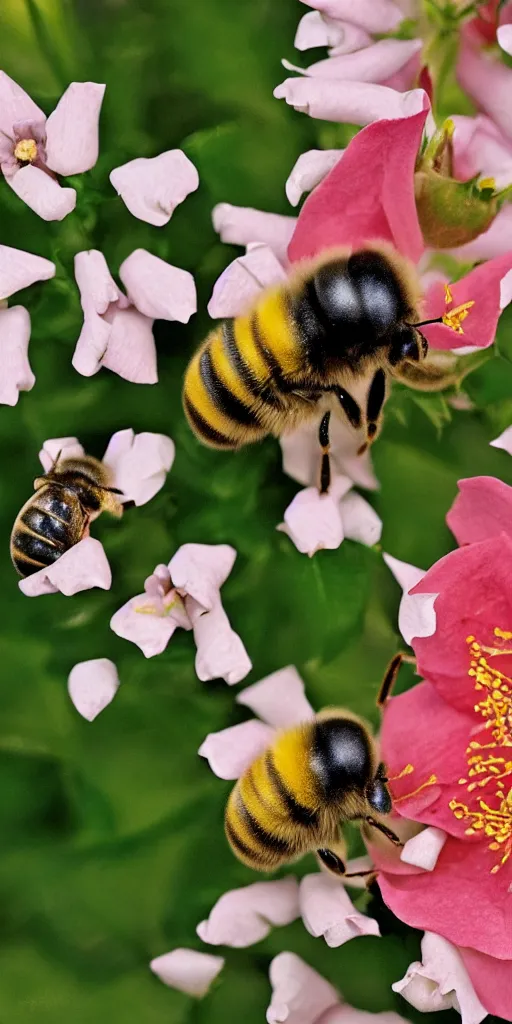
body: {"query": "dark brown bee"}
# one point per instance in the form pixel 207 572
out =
pixel 57 516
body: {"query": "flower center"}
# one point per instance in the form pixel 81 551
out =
pixel 454 317
pixel 26 151
pixel 488 764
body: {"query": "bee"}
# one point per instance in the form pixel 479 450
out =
pixel 338 328
pixel 294 797
pixel 67 499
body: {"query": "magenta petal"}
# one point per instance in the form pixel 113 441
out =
pixel 279 699
pixel 15 105
pixel 153 188
pixel 80 568
pixel 483 286
pixel 14 338
pixel 356 102
pixel 299 994
pixel 316 29
pixel 59 447
pixel 372 15
pixel 92 685
pixel 19 269
pixel 309 170
pixel 131 351
pixel 440 982
pixel 42 193
pixel 327 910
pixel 381 159
pixel 157 289
pixel 72 142
pixel 200 570
pixel 481 510
pixel 140 622
pixel 220 651
pixel 187 970
pixel 139 463
pixel 241 225
pixel 243 280
pixel 230 751
pixel 492 981
pixel 245 916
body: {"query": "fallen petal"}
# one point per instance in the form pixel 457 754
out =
pixel 299 994
pixel 441 982
pixel 309 170
pixel 220 651
pixel 157 289
pixel 42 193
pixel 241 225
pixel 72 141
pixel 92 685
pixel 14 338
pixel 487 81
pixel 373 15
pixel 131 350
pixel 360 520
pixel 504 441
pixel 200 570
pixel 153 188
pixel 59 447
pixel 423 850
pixel 15 105
pixel 279 699
pixel 313 522
pixel 20 269
pixel 354 102
pixel 188 970
pixel 327 910
pixel 230 751
pixel 139 463
pixel 316 29
pixel 82 567
pixel 242 281
pixel 139 621
pixel 245 916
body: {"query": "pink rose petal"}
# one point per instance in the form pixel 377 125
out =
pixel 504 441
pixel 15 105
pixel 372 15
pixel 92 685
pixel 241 225
pixel 153 188
pixel 491 979
pixel 327 910
pixel 313 522
pixel 316 29
pixel 157 289
pixel 360 520
pixel 220 651
pixel 230 751
pixel 423 850
pixel 139 463
pixel 299 994
pixel 62 447
pixel 187 970
pixel 200 571
pixel 42 193
pixel 131 351
pixel 309 171
pixel 20 269
pixel 504 36
pixel 279 699
pixel 440 982
pixel 356 102
pixel 82 567
pixel 245 916
pixel 137 622
pixel 243 280
pixel 72 141
pixel 479 148
pixel 14 338
pixel 374 63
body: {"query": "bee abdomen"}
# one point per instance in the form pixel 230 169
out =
pixel 39 538
pixel 307 817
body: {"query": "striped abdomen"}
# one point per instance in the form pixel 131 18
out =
pixel 235 386
pixel 50 523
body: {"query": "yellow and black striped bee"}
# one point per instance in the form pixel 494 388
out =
pixel 294 797
pixel 67 499
pixel 333 333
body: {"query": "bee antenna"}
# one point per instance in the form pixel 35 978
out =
pixel 111 490
pixel 437 320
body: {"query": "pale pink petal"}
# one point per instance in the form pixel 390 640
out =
pixel 373 15
pixel 72 141
pixel 42 193
pixel 131 351
pixel 504 35
pixel 200 570
pixel 309 170
pixel 375 63
pixel 157 289
pixel 301 456
pixel 62 447
pixel 504 441
pixel 138 622
pixel 92 344
pixel 327 910
pixel 360 520
pixel 187 970
pixel 241 225
pixel 313 522
pixel 16 373
pixel 242 281
pixel 488 82
pixel 493 242
pixel 348 1015
pixel 406 575
pixel 245 916
pixel 95 282
pixel 416 615
pixel 230 751
pixel 15 105
pixel 440 982
pixel 139 463
pixel 316 29
pixel 20 269
pixel 92 685
pixel 220 651
pixel 423 850
pixel 279 699
pixel 82 567
pixel 153 188
pixel 299 994
pixel 354 102
pixel 479 148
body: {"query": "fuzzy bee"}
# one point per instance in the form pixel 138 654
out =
pixel 67 499
pixel 294 797
pixel 340 328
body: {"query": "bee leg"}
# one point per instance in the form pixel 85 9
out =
pixel 434 373
pixel 325 469
pixel 374 405
pixel 349 406
pixel 392 836
pixel 331 861
pixel 391 675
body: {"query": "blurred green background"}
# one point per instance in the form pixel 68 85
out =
pixel 112 847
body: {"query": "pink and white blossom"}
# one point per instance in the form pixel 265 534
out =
pixel 18 270
pixel 153 188
pixel 92 686
pixel 188 970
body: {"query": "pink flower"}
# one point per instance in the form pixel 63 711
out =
pixel 92 685
pixel 186 593
pixel 118 329
pixel 18 270
pixel 153 188
pixel 187 970
pixel 34 149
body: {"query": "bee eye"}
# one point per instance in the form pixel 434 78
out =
pixel 379 797
pixel 404 345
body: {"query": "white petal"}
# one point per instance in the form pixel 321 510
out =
pixel 504 35
pixel 230 751
pixel 406 575
pixel 72 130
pixel 157 289
pixel 441 982
pixel 242 917
pixel 299 994
pixel 313 522
pixel 42 193
pixel 63 447
pixel 327 910
pixel 95 282
pixel 504 441
pixel 220 651
pixel 153 188
pixel 360 520
pixel 92 685
pixel 200 570
pixel 423 849
pixel 241 225
pixel 316 29
pixel 279 699
pixel 417 616
pixel 187 970
pixel 309 170
pixel 131 349
pixel 84 566
pixel 243 280
pixel 16 373
pixel 20 269
pixel 139 463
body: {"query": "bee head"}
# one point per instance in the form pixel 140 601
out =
pixel 377 792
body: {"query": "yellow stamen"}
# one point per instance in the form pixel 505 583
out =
pixel 454 317
pixel 486 183
pixel 26 150
pixel 448 297
pixel 430 782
